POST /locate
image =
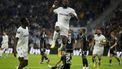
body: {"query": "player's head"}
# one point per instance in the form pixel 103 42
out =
pixel 113 34
pixel 98 31
pixel 82 31
pixel 4 33
pixel 43 29
pixel 24 22
pixel 65 3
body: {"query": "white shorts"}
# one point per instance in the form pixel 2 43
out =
pixel 98 51
pixel 4 46
pixel 63 29
pixel 22 53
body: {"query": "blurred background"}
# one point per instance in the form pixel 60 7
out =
pixel 92 13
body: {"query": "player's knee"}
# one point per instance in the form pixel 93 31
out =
pixel 25 63
pixel 57 29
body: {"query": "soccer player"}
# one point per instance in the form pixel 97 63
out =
pixel 21 43
pixel 113 45
pixel 84 46
pixel 43 46
pixel 4 43
pixel 64 14
pixel 65 59
pixel 70 43
pixel 99 42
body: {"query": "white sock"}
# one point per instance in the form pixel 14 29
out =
pixel 84 67
pixel 87 67
pixel 55 36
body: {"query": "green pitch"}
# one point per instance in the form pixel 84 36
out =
pixel 11 62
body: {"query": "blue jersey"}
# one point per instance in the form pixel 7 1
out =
pixel 83 38
pixel 70 43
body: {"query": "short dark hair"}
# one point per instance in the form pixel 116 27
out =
pixel 23 20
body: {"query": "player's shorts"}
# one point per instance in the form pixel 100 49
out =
pixel 112 51
pixel 4 46
pixel 98 51
pixel 43 51
pixel 63 29
pixel 22 53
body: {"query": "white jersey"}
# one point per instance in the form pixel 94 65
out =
pixel 23 35
pixel 64 15
pixel 98 40
pixel 5 41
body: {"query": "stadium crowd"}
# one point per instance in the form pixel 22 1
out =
pixel 37 11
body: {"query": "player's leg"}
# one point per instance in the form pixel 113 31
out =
pixel 94 57
pixel 46 58
pixel 63 45
pixel 99 59
pixel 21 61
pixel 55 36
pixel 110 59
pixel 1 52
pixel 117 58
pixel 25 63
pixel 84 60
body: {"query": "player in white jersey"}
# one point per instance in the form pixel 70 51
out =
pixel 4 45
pixel 64 14
pixel 21 41
pixel 99 43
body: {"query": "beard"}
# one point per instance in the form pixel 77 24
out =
pixel 65 6
pixel 98 34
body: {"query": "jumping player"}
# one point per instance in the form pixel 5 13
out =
pixel 64 14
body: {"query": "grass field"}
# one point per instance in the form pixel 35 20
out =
pixel 11 62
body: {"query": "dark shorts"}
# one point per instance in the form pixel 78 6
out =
pixel 112 51
pixel 66 67
pixel 42 51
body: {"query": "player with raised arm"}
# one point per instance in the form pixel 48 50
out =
pixel 21 43
pixel 64 14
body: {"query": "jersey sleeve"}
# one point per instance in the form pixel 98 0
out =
pixel 18 33
pixel 74 13
pixel 56 11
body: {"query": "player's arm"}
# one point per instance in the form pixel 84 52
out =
pixel 115 44
pixel 14 51
pixel 73 14
pixel 18 34
pixel 57 63
pixel 54 6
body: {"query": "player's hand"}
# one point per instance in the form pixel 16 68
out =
pixel 55 4
pixel 71 14
pixel 111 47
